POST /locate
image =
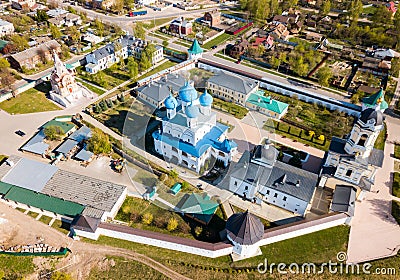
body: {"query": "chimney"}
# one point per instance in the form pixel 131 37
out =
pixel 283 179
pixel 298 183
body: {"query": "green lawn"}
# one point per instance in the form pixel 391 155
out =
pixel 396 184
pixel 33 214
pixel 157 22
pixel 380 141
pixel 16 267
pixel 92 88
pixel 107 78
pixel 397 150
pixel 126 270
pixel 217 41
pixel 396 210
pixel 45 219
pixel 159 68
pixel 317 247
pixel 31 101
pixel 60 226
pixel 236 110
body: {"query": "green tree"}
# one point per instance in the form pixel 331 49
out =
pixel 145 62
pixel 99 143
pixel 65 52
pixel 41 16
pixel 295 160
pixel 74 34
pixel 118 6
pixel 324 74
pixel 396 22
pixel 147 218
pixel 298 65
pixel 133 67
pixel 354 11
pixel 139 31
pixel 54 132
pixel 99 27
pixel 20 42
pixel 172 224
pixel 173 174
pixel 165 43
pixel 274 7
pixel 381 16
pixel 4 63
pixel 325 8
pixel 55 31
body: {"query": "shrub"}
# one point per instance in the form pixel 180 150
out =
pixel 163 177
pixel 159 222
pixel 184 228
pixel 172 224
pixel 198 230
pixel 147 218
pixel 54 132
pixel 134 217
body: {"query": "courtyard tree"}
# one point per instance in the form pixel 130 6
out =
pixel 145 62
pixel 54 132
pixel 4 64
pixel 99 143
pixel 19 42
pixel 354 11
pixel 55 31
pixel 172 224
pixel 99 27
pixel 324 74
pixel 139 31
pixel 132 67
pixel 325 7
pixel 147 218
pixel 118 6
pixel 74 34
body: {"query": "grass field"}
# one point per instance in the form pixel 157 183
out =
pixel 397 150
pixel 159 68
pixel 396 184
pixel 16 267
pixel 92 88
pixel 60 226
pixel 45 219
pixel 396 210
pixel 217 41
pixel 157 22
pixel 126 270
pixel 380 140
pixel 31 101
pixel 33 214
pixel 236 110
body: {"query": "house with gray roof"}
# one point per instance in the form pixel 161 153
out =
pixel 156 92
pixel 230 87
pixel 258 174
pixel 31 57
pixel 108 55
pixel 344 199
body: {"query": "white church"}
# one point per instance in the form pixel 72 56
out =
pixel 65 90
pixel 190 134
pixel 354 159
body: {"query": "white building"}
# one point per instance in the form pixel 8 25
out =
pixel 190 134
pixel 6 28
pixel 106 56
pixel 259 174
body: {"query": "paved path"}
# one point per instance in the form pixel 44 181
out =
pixel 374 232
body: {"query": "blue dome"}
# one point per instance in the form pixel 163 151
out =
pixel 187 93
pixel 192 111
pixel 227 145
pixel 170 102
pixel 206 99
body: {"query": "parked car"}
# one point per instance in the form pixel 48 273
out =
pixel 20 133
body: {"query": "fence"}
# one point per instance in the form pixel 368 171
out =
pixel 62 252
pixel 234 17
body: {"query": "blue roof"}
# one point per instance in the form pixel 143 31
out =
pixel 192 111
pixel 81 134
pixel 84 154
pixel 210 139
pixel 36 144
pixel 170 102
pixel 188 93
pixel 205 99
pixel 66 146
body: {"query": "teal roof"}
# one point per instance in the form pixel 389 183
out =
pixel 45 202
pixel 373 100
pixel 176 188
pixel 199 204
pixel 5 187
pixel 206 99
pixel 267 102
pixel 3 44
pixel 65 126
pixel 195 48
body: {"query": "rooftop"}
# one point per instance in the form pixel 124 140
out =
pixel 268 103
pixel 34 51
pixel 65 126
pixel 244 228
pixel 36 144
pixel 344 199
pixel 233 82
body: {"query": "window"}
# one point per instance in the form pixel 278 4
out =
pixel 246 188
pixel 362 140
pixel 349 172
pixel 284 198
pixel 276 195
pixel 267 192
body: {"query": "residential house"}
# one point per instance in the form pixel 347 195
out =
pixel 213 17
pixel 280 32
pixel 56 12
pixel 386 54
pixel 67 19
pixel 231 87
pixel 314 36
pixel 102 4
pixel 376 66
pixel 156 92
pixel 239 48
pixel 6 28
pixel 106 56
pixel 258 174
pixel 29 58
pixel 23 4
pixel 92 39
pixel 266 105
pixel 181 26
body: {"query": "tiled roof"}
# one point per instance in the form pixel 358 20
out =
pixel 267 102
pixel 195 48
pixel 244 228
pixel 233 82
pixel 344 199
pixel 32 52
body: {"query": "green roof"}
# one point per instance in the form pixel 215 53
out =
pixel 195 48
pixel 176 188
pixel 3 44
pixel 65 126
pixel 372 101
pixel 45 202
pixel 199 204
pixel 267 102
pixel 5 187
